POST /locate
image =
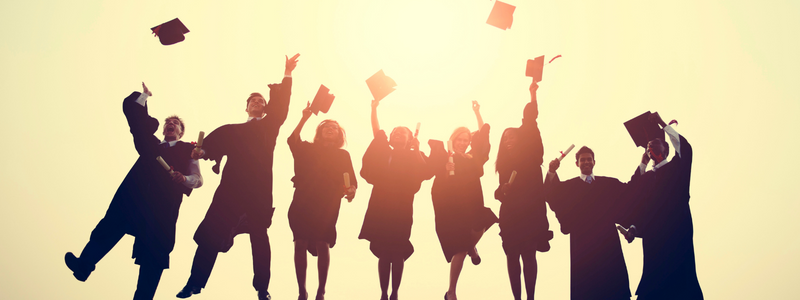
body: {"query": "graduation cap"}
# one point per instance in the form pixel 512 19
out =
pixel 534 68
pixel 170 32
pixel 380 85
pixel 502 15
pixel 642 130
pixel 322 101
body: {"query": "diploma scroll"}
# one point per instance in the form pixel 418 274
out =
pixel 164 164
pixel 416 132
pixel 200 140
pixel 513 176
pixel 346 180
pixel 564 154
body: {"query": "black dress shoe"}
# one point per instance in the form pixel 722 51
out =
pixel 79 269
pixel 264 295
pixel 188 291
pixel 473 255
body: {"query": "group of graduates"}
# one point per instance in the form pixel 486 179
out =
pixel 653 205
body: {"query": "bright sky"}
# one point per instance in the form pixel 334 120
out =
pixel 726 70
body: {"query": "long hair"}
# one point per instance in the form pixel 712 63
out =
pixel 410 135
pixel 505 157
pixel 456 133
pixel 340 140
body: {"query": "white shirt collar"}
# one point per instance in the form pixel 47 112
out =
pixel 583 176
pixel 659 165
pixel 251 118
pixel 171 143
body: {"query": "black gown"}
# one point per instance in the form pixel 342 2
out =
pixel 458 199
pixel 588 213
pixel 664 222
pixel 319 186
pixel 396 175
pixel 523 213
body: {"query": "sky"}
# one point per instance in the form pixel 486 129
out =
pixel 725 70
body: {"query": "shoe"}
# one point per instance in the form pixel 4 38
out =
pixel 79 269
pixel 264 295
pixel 473 255
pixel 188 291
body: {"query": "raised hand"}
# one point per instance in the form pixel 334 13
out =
pixel 475 106
pixel 291 63
pixel 307 111
pixel 554 164
pixel 146 91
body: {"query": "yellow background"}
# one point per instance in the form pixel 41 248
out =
pixel 726 70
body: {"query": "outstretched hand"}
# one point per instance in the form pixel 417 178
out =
pixel 475 106
pixel 291 63
pixel 655 118
pixel 554 164
pixel 307 111
pixel 146 91
pixel 534 87
pixel 374 103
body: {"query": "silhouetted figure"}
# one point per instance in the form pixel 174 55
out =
pixel 523 213
pixel 396 168
pixel 461 217
pixel 243 200
pixel 146 204
pixel 662 218
pixel 588 207
pixel 319 172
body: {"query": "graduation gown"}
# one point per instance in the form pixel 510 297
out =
pixel 319 186
pixel 243 200
pixel 458 199
pixel 147 201
pixel 523 213
pixel 588 213
pixel 664 222
pixel 396 175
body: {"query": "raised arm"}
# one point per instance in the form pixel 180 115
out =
pixel 142 125
pixel 280 94
pixel 376 128
pixel 477 109
pixel 295 136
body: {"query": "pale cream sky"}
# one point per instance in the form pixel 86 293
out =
pixel 726 70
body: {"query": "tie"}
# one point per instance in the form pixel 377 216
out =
pixel 589 179
pixel 165 145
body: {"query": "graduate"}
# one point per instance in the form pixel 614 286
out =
pixel 396 168
pixel 461 217
pixel 243 200
pixel 323 174
pixel 523 213
pixel 146 204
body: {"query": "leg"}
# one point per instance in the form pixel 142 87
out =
pixel 323 262
pixel 149 276
pixel 262 260
pixel 103 238
pixel 300 263
pixel 397 275
pixel 202 264
pixel 530 269
pixel 384 267
pixel 455 270
pixel 512 260
pixel 473 254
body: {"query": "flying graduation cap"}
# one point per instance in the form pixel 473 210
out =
pixel 642 130
pixel 170 32
pixel 534 68
pixel 380 85
pixel 502 15
pixel 322 101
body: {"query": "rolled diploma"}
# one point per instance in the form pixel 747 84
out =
pixel 163 164
pixel 566 152
pixel 450 151
pixel 200 140
pixel 416 132
pixel 346 180
pixel 513 176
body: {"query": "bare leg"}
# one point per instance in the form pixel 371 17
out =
pixel 512 260
pixel 323 262
pixel 397 275
pixel 300 264
pixel 455 270
pixel 384 266
pixel 530 268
